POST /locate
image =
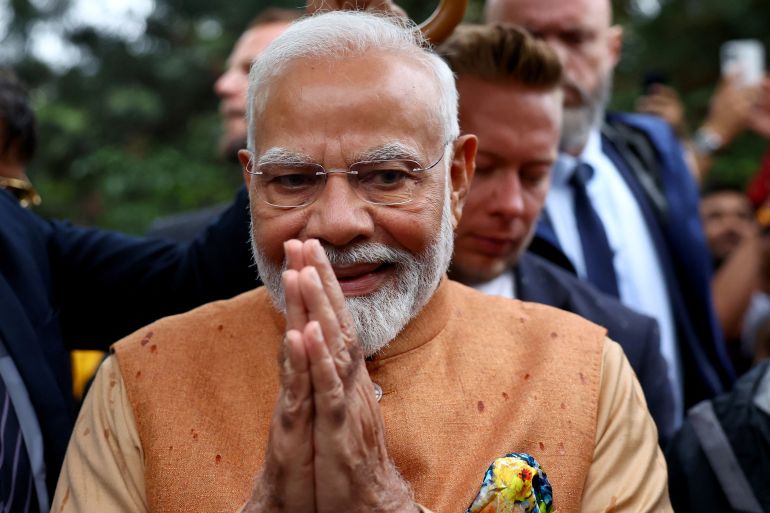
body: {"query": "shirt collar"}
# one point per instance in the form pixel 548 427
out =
pixel 565 164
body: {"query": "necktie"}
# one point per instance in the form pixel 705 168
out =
pixel 17 494
pixel 597 253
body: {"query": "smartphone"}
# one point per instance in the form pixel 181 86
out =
pixel 744 57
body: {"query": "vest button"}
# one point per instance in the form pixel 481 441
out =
pixel 377 391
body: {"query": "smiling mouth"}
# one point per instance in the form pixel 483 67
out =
pixel 362 279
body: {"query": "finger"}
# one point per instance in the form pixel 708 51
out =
pixel 328 389
pixel 314 254
pixel 296 311
pixel 319 308
pixel 287 479
pixel 292 249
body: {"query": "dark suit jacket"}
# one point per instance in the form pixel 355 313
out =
pixel 540 281
pixel 651 161
pixel 63 287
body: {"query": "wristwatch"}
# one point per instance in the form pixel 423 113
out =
pixel 706 141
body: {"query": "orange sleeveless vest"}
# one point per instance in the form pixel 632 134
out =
pixel 472 378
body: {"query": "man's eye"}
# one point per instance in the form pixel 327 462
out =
pixel 293 180
pixel 385 177
pixel 574 37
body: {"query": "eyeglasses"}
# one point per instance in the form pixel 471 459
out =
pixel 380 182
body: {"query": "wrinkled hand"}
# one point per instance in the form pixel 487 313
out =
pixel 386 6
pixel 326 452
pixel 663 101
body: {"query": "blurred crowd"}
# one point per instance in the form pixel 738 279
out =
pixel 617 217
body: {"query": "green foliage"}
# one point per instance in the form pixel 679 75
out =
pixel 131 132
pixel 683 43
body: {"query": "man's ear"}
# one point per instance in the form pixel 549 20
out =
pixel 247 162
pixel 461 172
pixel 615 43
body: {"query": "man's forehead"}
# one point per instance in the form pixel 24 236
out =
pixel 374 98
pixel 550 14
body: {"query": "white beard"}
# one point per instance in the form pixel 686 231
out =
pixel 380 316
pixel 577 122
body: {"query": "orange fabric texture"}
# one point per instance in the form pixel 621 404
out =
pixel 472 378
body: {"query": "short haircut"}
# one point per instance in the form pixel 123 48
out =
pixel 717 185
pixel 17 119
pixel 275 15
pixel 339 35
pixel 499 52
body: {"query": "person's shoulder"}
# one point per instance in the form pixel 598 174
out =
pixel 646 122
pixel 505 310
pixel 201 326
pixel 653 128
pixel 581 296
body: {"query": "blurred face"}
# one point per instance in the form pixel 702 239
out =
pixel 589 48
pixel 232 86
pixel 518 131
pixel 727 218
pixel 388 259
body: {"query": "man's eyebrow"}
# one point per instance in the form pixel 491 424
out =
pixel 389 151
pixel 283 156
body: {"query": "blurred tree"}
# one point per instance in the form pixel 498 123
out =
pixel 128 117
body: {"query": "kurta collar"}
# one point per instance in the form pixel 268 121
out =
pixel 424 327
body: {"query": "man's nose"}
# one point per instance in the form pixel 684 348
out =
pixel 339 216
pixel 225 83
pixel 507 200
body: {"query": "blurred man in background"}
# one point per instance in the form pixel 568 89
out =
pixel 622 210
pixel 516 114
pixel 18 139
pixel 231 88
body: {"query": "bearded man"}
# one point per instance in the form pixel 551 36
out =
pixel 622 212
pixel 395 386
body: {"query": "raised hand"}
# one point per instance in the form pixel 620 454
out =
pixel 760 116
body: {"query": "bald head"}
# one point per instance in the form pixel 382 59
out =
pixel 588 46
pixel 518 11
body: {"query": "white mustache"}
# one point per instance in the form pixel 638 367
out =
pixel 365 253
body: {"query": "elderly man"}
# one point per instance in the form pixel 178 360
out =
pixel 623 208
pixel 516 114
pixel 356 179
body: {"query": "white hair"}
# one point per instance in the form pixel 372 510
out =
pixel 339 35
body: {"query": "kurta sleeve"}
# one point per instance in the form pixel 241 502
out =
pixel 103 469
pixel 628 472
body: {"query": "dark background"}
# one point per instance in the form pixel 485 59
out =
pixel 129 128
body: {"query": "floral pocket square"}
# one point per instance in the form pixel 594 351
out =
pixel 514 483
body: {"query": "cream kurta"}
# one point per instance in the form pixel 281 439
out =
pixel 104 470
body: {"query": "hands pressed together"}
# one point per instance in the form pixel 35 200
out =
pixel 326 451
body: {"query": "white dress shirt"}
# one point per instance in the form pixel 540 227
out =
pixel 641 283
pixel 503 286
